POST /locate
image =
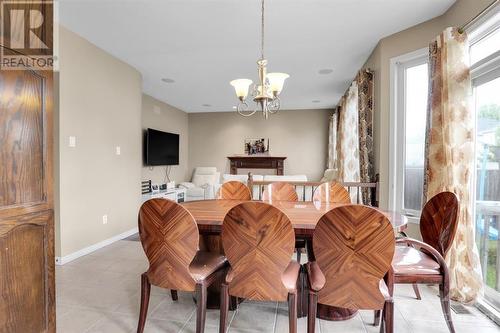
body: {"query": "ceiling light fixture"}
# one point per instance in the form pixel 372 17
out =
pixel 266 92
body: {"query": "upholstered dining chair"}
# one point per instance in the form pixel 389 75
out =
pixel 423 262
pixel 234 190
pixel 332 192
pixel 169 236
pixel 353 246
pixel 258 241
pixel 280 191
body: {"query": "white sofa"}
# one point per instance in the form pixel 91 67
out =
pixel 204 184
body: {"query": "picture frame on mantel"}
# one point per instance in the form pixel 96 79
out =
pixel 256 146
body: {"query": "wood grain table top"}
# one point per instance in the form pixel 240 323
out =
pixel 209 214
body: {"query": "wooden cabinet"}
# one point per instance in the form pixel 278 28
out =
pixel 27 295
pixel 257 162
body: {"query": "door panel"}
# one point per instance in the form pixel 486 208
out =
pixel 21 134
pixel 27 290
pixel 24 281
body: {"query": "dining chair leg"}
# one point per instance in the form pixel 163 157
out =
pixel 311 313
pixel 310 252
pixel 382 319
pixel 175 297
pixel 292 313
pixel 145 291
pixel 389 316
pixel 201 307
pixel 224 307
pixel 376 318
pixel 417 292
pixel 444 295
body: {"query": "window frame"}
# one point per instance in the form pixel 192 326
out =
pixel 483 71
pixel 397 123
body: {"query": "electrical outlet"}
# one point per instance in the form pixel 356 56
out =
pixel 72 141
pixel 118 150
pixel 105 219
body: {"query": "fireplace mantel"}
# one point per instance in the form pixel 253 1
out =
pixel 257 162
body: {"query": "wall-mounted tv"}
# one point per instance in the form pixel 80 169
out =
pixel 161 148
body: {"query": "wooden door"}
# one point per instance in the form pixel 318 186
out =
pixel 27 296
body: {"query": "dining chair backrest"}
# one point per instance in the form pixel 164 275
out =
pixel 280 191
pixel 169 236
pixel 439 220
pixel 354 246
pixel 332 192
pixel 234 190
pixel 258 241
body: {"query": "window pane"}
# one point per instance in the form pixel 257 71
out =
pixel 488 184
pixel 416 111
pixel 485 47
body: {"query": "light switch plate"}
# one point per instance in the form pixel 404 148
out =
pixel 105 219
pixel 72 141
pixel 118 150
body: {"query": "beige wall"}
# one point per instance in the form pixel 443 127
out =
pixel 100 104
pixel 403 42
pixel 163 117
pixel 301 135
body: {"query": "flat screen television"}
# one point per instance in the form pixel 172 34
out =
pixel 161 148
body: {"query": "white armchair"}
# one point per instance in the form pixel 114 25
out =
pixel 203 185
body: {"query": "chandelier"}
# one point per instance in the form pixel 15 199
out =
pixel 266 92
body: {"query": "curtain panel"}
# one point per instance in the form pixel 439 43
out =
pixel 332 141
pixel 348 136
pixel 365 128
pixel 353 137
pixel 449 153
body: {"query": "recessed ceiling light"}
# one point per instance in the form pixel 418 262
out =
pixel 316 101
pixel 234 108
pixel 325 71
pixel 207 105
pixel 167 80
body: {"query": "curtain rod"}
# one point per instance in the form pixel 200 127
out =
pixel 478 16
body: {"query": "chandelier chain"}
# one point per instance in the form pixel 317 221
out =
pixel 262 33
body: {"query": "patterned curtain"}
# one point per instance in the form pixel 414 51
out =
pixel 365 110
pixel 450 153
pixel 332 142
pixel 349 139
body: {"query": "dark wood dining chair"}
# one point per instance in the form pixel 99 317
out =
pixel 258 241
pixel 353 246
pixel 280 191
pixel 234 190
pixel 332 192
pixel 169 236
pixel 423 262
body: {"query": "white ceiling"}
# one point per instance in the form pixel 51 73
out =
pixel 203 44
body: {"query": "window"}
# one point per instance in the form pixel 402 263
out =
pixel 485 70
pixel 408 124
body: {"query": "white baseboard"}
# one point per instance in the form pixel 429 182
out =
pixel 92 248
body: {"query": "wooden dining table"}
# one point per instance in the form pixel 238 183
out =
pixel 209 215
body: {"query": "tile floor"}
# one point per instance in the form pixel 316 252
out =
pixel 100 293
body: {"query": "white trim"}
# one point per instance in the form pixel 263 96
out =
pixel 488 310
pixel 395 122
pixel 89 249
